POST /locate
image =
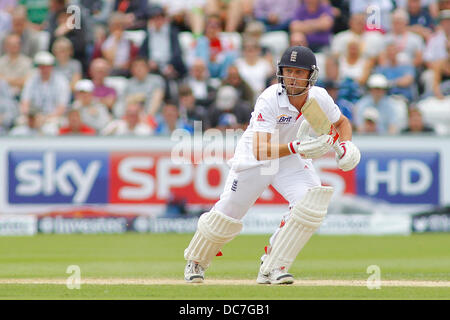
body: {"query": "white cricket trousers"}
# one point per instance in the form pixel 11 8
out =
pixel 292 180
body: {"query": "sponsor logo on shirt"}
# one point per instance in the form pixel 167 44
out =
pixel 284 119
pixel 260 118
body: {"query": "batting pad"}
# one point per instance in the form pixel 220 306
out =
pixel 214 229
pixel 305 218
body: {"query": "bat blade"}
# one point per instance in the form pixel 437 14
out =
pixel 316 117
pixel 320 123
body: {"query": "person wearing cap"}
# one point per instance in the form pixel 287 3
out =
pixel 161 46
pixel 93 113
pixel 377 98
pixel 46 90
pixel 370 116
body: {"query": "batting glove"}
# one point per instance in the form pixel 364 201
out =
pixel 312 148
pixel 350 159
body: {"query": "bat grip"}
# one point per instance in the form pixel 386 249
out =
pixel 337 146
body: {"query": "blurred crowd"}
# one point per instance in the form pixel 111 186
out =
pixel 149 67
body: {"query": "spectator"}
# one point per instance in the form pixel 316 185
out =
pixel 47 91
pixel 187 15
pixel 75 126
pixel 371 42
pixel 298 38
pixel 400 75
pixel 14 66
pixel 255 29
pixel 99 10
pixel 436 50
pixel 132 123
pixel 169 120
pixel 315 19
pixel 253 68
pixel 420 20
pixel 217 54
pixel 93 114
pixel 235 80
pixel 275 17
pixel 415 122
pixel 345 106
pixel 233 12
pixel 99 70
pixel 5 21
pixel 199 82
pixel 8 108
pixel 30 127
pixel 408 43
pixel 189 110
pixel 441 80
pixel 29 39
pixel 370 118
pixel 353 65
pixel 37 12
pixel 134 12
pixel 161 46
pixel 117 49
pixel 228 102
pixel 151 86
pixel 378 99
pixel 70 68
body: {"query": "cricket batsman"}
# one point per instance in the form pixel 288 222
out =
pixel 277 132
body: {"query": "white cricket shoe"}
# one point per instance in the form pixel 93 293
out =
pixel 193 272
pixel 276 276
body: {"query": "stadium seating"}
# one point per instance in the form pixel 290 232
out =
pixel 436 113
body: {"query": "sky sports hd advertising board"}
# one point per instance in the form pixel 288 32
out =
pixel 114 172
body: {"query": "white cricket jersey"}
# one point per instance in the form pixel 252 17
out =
pixel 274 114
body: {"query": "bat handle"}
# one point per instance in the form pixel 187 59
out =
pixel 336 146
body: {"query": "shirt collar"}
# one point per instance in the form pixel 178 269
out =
pixel 283 100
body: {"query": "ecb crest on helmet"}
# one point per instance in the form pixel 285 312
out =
pixel 294 56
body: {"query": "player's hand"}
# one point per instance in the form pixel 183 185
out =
pixel 308 147
pixel 350 159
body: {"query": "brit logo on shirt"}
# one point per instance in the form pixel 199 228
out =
pixel 284 119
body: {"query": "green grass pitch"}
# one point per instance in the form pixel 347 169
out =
pixel 423 257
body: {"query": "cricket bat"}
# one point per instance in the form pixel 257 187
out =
pixel 320 123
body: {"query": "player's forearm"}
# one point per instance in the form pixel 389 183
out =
pixel 268 151
pixel 344 128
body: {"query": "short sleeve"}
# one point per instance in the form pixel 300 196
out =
pixel 263 117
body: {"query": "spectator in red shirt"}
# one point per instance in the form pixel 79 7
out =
pixel 75 126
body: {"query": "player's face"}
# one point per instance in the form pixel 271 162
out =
pixel 295 79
